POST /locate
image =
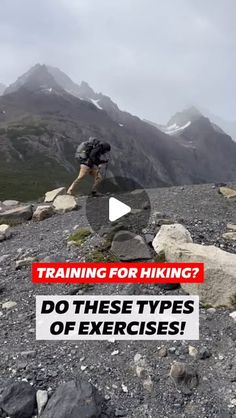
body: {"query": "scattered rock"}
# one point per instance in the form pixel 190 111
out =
pixel 230 235
pixel 227 192
pixel 233 402
pixel 168 235
pixel 52 194
pixel 204 353
pixel 232 227
pixel 18 400
pixel 184 375
pixel 16 215
pixel 43 212
pixel 148 384
pixel 42 398
pixel 4 257
pixel 193 352
pixel 9 305
pixel 124 388
pixel 211 310
pixel 137 358
pixel 115 353
pixel 25 262
pixel 65 203
pixel 141 372
pixel 11 203
pixel 5 232
pixel 74 399
pixel 233 315
pixel 130 247
pixel 163 352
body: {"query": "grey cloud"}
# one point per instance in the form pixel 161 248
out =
pixel 153 57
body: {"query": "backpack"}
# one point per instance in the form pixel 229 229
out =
pixel 83 150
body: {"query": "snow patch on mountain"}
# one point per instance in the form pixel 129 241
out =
pixel 175 128
pixel 96 103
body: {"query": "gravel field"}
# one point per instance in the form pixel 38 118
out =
pixel 111 366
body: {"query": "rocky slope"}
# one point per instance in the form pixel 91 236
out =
pixel 44 115
pixel 2 88
pixel 229 126
pixel 112 367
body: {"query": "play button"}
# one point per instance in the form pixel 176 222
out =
pixel 117 209
pixel 122 201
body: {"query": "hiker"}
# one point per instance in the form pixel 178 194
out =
pixel 89 155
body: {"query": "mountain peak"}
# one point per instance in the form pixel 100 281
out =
pixel 37 78
pixel 86 91
pixel 189 114
pixel 48 79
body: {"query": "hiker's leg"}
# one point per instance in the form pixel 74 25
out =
pixel 84 171
pixel 95 172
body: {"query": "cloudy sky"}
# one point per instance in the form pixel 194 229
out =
pixel 153 57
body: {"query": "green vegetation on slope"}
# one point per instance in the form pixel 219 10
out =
pixel 80 236
pixel 29 171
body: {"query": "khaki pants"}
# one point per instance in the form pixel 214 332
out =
pixel 86 171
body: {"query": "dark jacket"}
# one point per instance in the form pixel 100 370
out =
pixel 96 153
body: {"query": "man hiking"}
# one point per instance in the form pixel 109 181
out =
pixel 89 155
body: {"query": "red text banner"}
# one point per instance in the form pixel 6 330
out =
pixel 117 273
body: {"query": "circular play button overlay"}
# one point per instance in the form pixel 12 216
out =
pixel 120 201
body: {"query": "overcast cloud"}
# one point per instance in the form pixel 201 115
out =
pixel 153 57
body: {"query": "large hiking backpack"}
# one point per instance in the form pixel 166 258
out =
pixel 83 150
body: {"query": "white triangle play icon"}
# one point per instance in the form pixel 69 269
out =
pixel 117 209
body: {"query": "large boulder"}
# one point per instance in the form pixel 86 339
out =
pixel 169 234
pixel 228 192
pixel 130 247
pixel 219 287
pixel 5 232
pixel 43 212
pixel 52 194
pixel 75 399
pixel 18 400
pixel 65 203
pixel 16 215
